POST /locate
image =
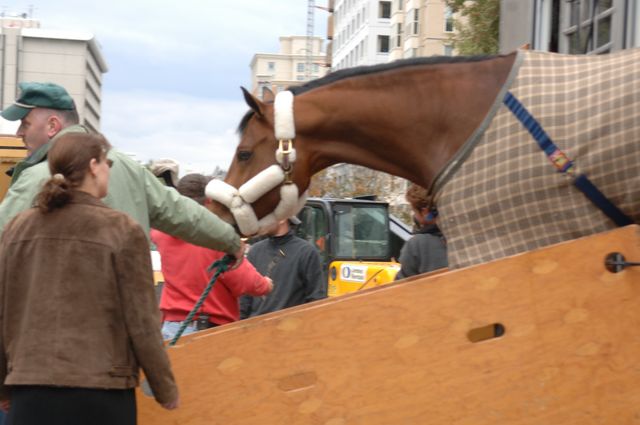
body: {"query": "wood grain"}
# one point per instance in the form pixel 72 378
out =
pixel 400 354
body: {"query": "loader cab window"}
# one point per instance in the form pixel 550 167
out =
pixel 314 228
pixel 362 232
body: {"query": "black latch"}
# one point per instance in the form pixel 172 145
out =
pixel 615 262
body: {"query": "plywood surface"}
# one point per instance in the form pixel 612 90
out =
pixel 400 354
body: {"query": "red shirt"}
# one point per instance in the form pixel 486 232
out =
pixel 184 267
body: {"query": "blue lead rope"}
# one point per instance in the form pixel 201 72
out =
pixel 562 163
pixel 222 265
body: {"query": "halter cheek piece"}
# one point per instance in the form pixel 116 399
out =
pixel 239 200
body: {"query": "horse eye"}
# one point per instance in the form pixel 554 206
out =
pixel 244 155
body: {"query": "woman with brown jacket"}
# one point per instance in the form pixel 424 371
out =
pixel 78 314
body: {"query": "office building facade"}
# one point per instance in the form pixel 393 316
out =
pixel 361 33
pixel 421 28
pixel 291 66
pixel 72 59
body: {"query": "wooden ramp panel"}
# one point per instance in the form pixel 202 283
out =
pixel 400 354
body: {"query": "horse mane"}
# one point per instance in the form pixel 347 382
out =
pixel 370 69
pixel 244 121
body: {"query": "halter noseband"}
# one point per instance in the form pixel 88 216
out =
pixel 239 201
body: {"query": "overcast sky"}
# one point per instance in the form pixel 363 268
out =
pixel 175 68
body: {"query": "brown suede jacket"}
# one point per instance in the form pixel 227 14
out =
pixel 77 303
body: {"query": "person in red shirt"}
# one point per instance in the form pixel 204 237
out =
pixel 185 266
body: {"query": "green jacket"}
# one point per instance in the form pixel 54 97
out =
pixel 134 190
pixel 35 158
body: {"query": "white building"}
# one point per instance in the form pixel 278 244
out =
pixel 421 28
pixel 72 59
pixel 289 67
pixel 361 33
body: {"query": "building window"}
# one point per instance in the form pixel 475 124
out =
pixel 383 44
pixel 300 67
pixel 384 10
pixel 398 35
pixel 400 5
pixel 300 78
pixel 448 20
pixel 316 68
pixel 591 26
pixel 271 66
pixel 448 50
pixel 413 26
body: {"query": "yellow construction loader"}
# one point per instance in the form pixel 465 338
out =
pixel 358 240
pixel 12 151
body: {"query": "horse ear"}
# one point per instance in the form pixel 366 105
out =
pixel 253 102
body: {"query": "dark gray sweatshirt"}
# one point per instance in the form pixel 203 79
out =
pixel 294 266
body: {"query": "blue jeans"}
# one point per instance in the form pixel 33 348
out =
pixel 170 329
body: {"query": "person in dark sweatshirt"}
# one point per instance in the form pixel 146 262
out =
pixel 427 249
pixel 294 266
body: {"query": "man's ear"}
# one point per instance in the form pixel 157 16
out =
pixel 54 126
pixel 93 167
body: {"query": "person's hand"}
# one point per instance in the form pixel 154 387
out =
pixel 172 404
pixel 239 254
pixel 5 405
pixel 270 284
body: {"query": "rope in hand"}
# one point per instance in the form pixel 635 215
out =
pixel 222 265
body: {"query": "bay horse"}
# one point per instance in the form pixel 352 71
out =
pixel 443 123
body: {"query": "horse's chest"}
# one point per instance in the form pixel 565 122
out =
pixel 507 198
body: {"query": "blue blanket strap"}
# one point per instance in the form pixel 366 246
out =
pixel 562 163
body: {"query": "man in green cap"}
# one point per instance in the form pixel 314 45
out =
pixel 47 111
pixel 44 110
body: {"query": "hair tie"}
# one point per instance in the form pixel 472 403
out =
pixel 58 177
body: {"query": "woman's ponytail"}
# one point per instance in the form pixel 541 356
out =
pixel 56 193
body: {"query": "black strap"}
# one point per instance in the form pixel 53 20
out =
pixel 562 162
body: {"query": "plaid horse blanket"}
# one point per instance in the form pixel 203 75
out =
pixel 505 197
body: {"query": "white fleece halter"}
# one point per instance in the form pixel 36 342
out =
pixel 239 200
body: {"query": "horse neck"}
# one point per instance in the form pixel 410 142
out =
pixel 407 122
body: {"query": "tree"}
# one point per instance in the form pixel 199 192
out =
pixel 348 181
pixel 219 173
pixel 477 32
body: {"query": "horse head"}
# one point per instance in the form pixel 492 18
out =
pixel 264 183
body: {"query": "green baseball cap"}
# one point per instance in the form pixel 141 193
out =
pixel 38 95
